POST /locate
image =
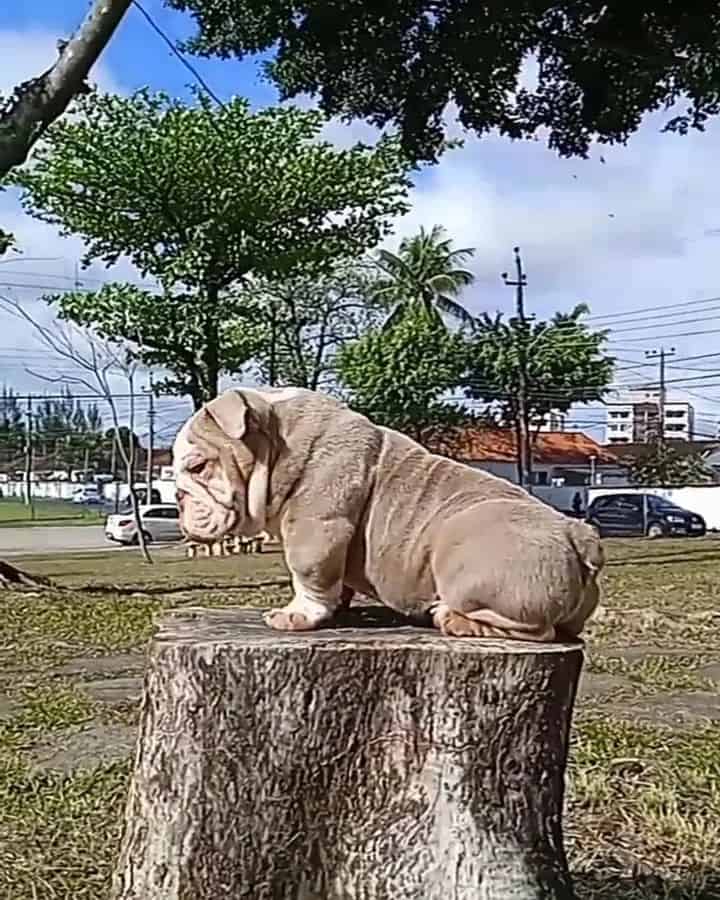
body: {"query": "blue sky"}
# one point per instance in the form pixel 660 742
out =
pixel 640 230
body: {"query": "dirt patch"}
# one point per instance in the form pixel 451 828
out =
pixel 8 707
pixel 92 746
pixel 114 691
pixel 600 685
pixel 690 708
pixel 117 664
pixel 711 672
pixel 642 651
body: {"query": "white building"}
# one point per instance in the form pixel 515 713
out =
pixel 633 417
pixel 552 421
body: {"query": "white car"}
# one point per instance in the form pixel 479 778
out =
pixel 88 493
pixel 160 522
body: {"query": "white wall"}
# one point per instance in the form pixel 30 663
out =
pixel 705 501
pixel 64 490
pixel 502 470
pixel 121 489
pixel 42 490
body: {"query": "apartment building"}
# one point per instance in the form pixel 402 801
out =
pixel 633 417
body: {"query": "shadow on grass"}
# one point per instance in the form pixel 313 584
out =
pixel 129 590
pixel 666 559
pixel 646 886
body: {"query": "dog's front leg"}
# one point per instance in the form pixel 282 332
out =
pixel 315 554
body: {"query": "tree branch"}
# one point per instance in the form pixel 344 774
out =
pixel 36 103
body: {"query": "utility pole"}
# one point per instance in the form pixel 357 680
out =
pixel 29 500
pixel 113 469
pixel 151 438
pixel 522 426
pixel 661 355
pixel 273 343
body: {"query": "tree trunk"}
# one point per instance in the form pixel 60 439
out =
pixel 371 761
pixel 35 104
pixel 519 454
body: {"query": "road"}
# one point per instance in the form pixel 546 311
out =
pixel 53 539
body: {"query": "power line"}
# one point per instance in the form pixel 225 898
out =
pixel 645 309
pixel 692 321
pixel 647 338
pixel 176 52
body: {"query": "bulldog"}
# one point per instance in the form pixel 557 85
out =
pixel 361 508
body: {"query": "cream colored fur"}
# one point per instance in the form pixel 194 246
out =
pixel 363 508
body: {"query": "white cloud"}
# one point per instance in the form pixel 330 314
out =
pixel 28 53
pixel 47 261
pixel 629 233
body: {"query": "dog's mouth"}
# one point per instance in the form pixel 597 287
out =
pixel 206 523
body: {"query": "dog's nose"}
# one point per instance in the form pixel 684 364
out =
pixel 180 497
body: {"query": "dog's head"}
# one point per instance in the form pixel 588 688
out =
pixel 222 467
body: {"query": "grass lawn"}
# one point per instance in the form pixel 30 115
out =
pixel 643 811
pixel 15 513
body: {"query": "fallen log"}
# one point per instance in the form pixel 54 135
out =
pixel 369 761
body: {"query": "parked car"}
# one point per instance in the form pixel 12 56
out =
pixel 89 494
pixel 625 515
pixel 160 522
pixel 141 494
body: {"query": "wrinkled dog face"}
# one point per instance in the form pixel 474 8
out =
pixel 222 468
pixel 211 496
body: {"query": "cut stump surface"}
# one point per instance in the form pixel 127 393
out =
pixel 370 761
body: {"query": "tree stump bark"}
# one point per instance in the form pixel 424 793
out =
pixel 370 761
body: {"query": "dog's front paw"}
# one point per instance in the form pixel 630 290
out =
pixel 285 620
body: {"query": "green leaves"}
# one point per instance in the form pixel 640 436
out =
pixel 198 194
pixel 184 333
pixel 201 199
pixel 7 240
pixel 397 375
pixel 601 66
pixel 665 465
pixel 566 363
pixel 425 272
pixel 308 320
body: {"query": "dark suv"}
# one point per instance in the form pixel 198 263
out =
pixel 624 515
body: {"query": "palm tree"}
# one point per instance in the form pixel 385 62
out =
pixel 425 271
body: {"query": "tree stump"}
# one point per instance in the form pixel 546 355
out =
pixel 370 761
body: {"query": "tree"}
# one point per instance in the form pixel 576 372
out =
pixel 68 433
pixel 35 104
pixel 200 198
pixel 177 332
pixel 667 466
pixel 12 426
pixel 6 242
pixel 601 66
pixel 425 271
pixel 565 364
pixel 97 363
pixel 308 320
pixel 397 376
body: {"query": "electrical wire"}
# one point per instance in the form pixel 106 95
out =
pixel 177 52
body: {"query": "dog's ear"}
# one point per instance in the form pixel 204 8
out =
pixel 243 415
pixel 238 413
pixel 229 412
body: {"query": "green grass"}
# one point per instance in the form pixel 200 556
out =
pixel 15 514
pixel 643 801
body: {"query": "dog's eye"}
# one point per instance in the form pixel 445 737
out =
pixel 195 467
